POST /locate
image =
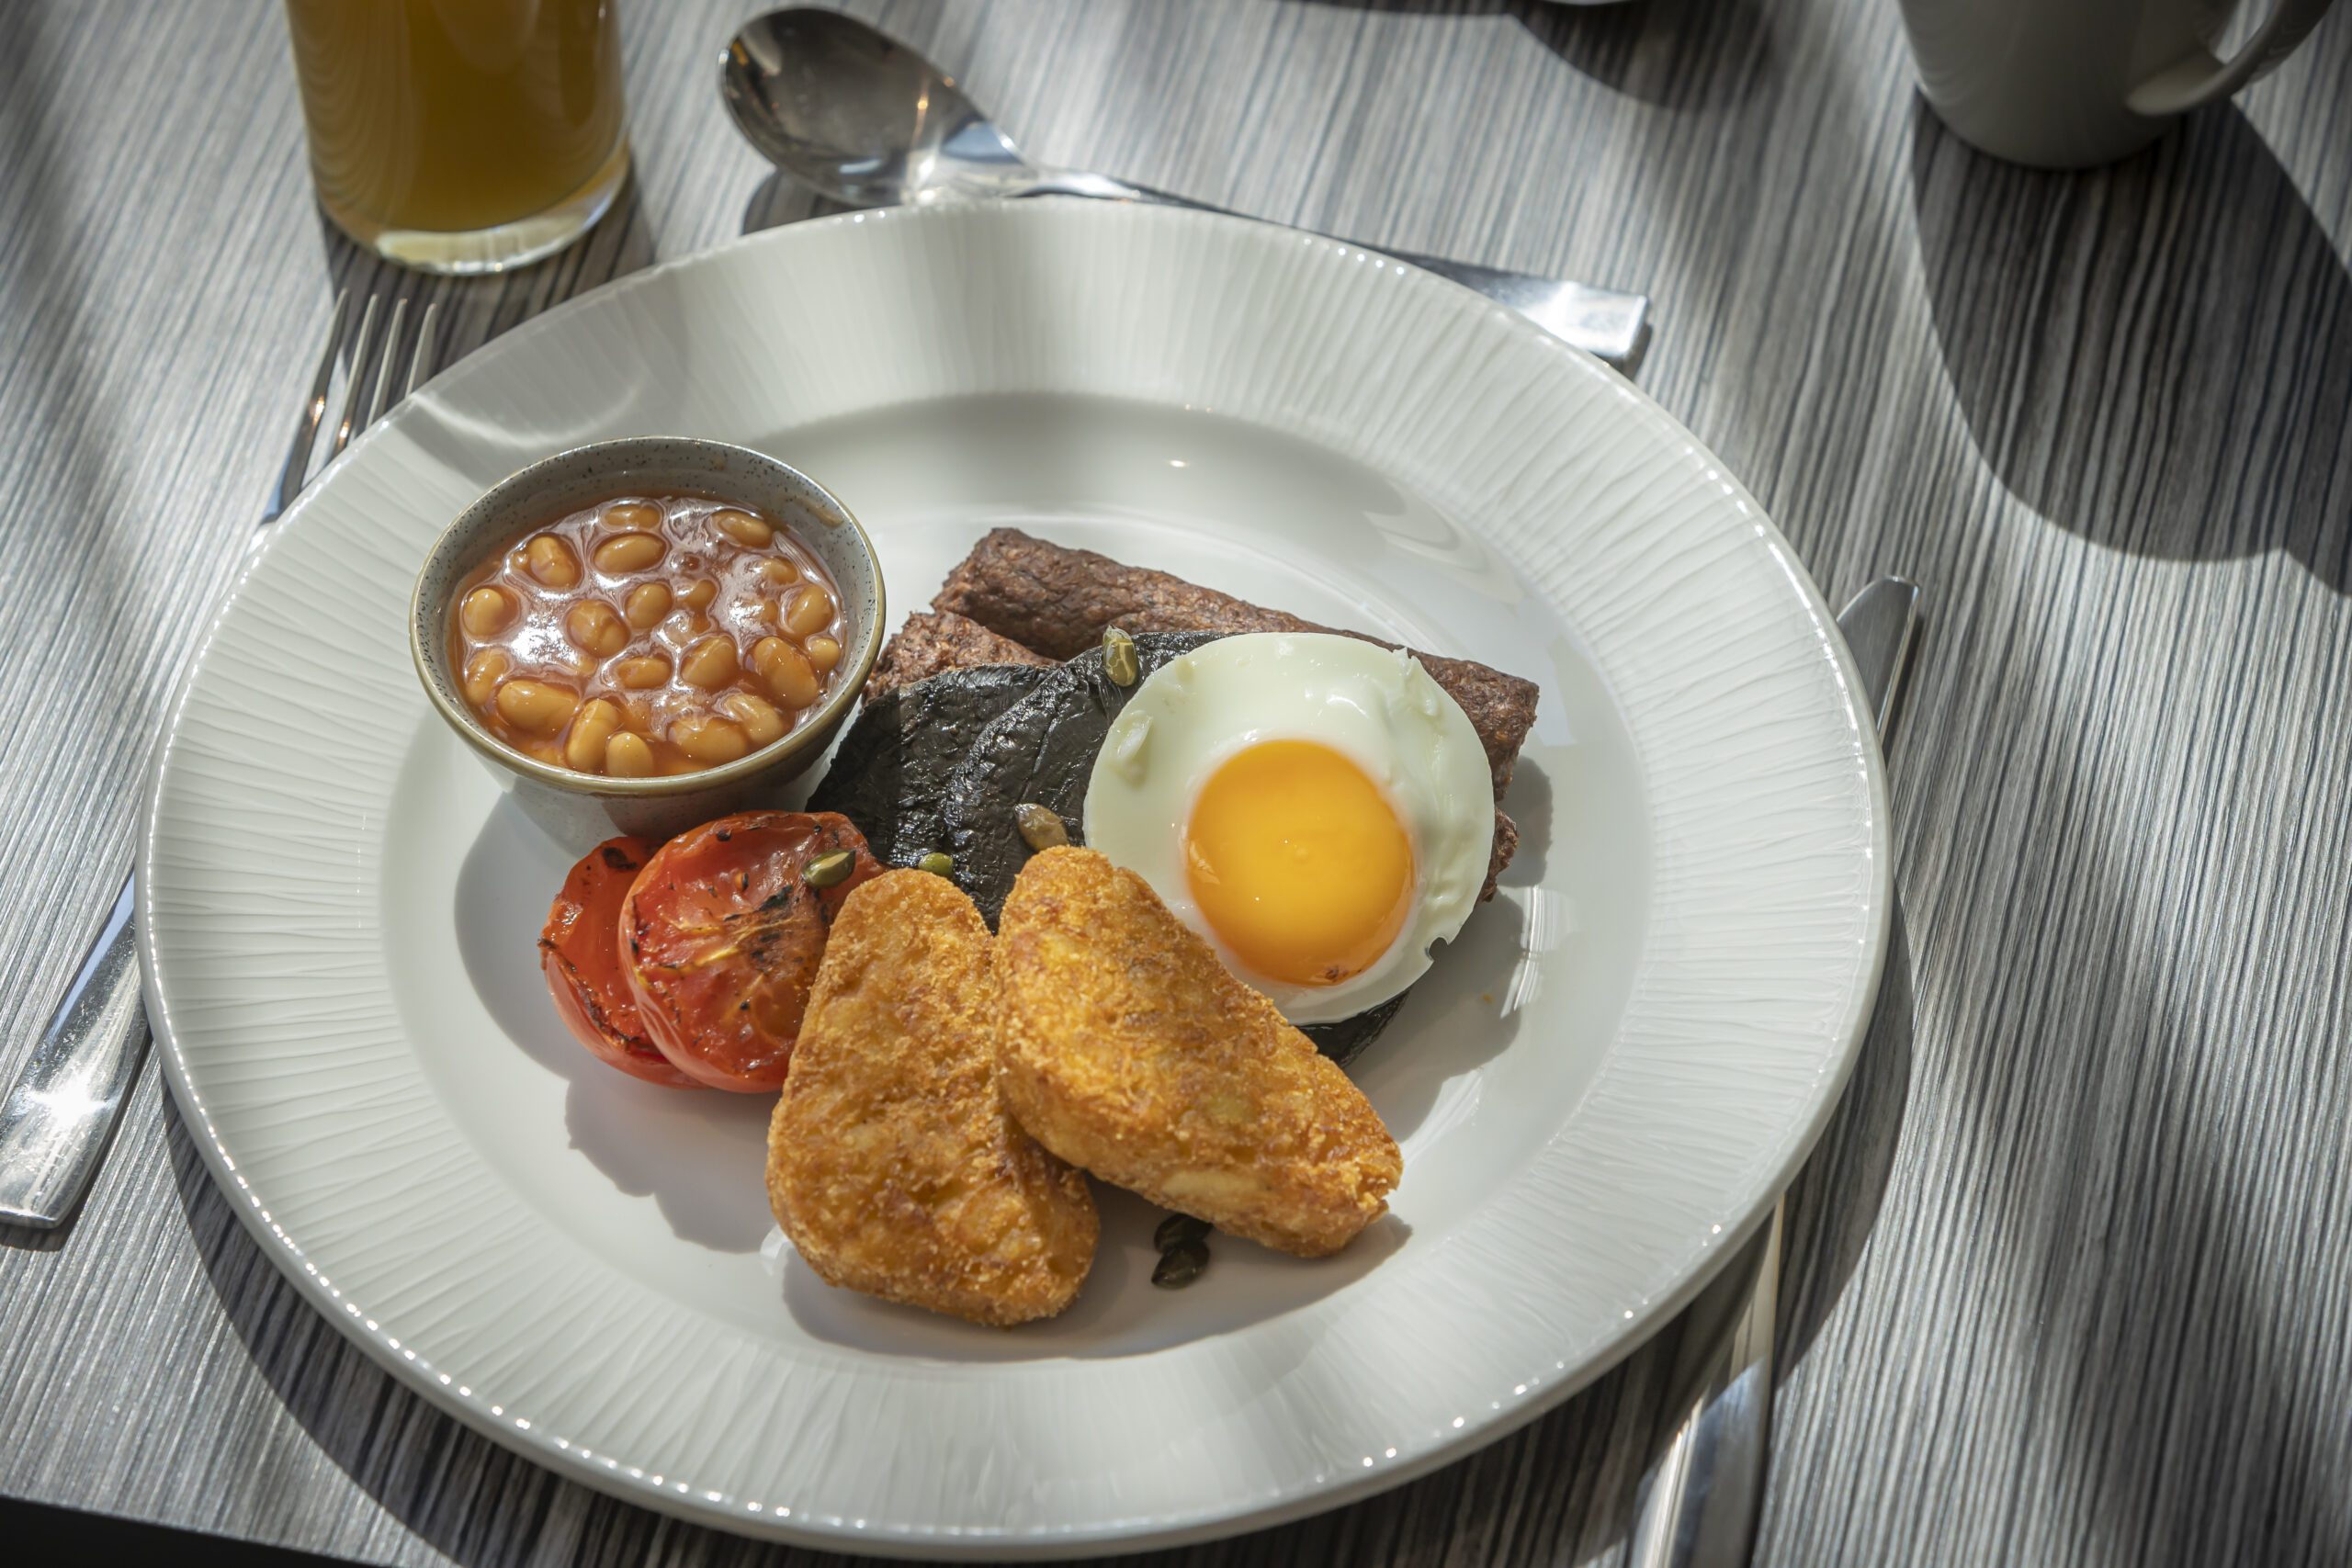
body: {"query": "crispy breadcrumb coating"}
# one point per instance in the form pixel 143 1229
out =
pixel 892 1162
pixel 1128 1049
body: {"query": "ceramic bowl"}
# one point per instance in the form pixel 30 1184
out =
pixel 581 809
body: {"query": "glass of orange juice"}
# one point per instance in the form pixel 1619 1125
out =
pixel 462 136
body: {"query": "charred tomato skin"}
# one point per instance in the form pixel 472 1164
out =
pixel 720 938
pixel 580 955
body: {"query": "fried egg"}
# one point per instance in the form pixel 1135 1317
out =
pixel 1314 805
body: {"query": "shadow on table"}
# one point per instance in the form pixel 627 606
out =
pixel 31 1238
pixel 473 310
pixel 2134 1316
pixel 1834 1204
pixel 1678 54
pixel 2156 356
pixel 781 199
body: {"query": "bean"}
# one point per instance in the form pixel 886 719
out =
pixel 811 610
pixel 743 528
pixel 628 552
pixel 486 613
pixel 584 749
pixel 698 594
pixel 633 515
pixel 627 756
pixel 760 721
pixel 937 862
pixel 646 605
pixel 707 739
pixel 552 561
pixel 823 651
pixel 595 627
pixel 642 673
pixel 709 664
pixel 483 671
pixel 830 869
pixel 786 671
pixel 536 707
pixel 779 571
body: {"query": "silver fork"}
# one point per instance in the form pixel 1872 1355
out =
pixel 55 1122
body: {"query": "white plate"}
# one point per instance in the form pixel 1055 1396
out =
pixel 1599 1090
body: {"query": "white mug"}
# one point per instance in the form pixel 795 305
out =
pixel 2066 84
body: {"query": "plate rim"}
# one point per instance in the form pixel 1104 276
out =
pixel 1156 1531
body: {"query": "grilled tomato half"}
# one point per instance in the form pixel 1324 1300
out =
pixel 721 934
pixel 580 951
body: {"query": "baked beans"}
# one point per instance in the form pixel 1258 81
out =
pixel 647 635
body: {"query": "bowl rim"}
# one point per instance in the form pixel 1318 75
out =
pixel 817 730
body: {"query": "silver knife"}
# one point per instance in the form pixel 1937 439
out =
pixel 1698 1505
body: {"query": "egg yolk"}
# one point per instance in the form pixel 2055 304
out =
pixel 1298 862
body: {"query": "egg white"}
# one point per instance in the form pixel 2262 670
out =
pixel 1378 708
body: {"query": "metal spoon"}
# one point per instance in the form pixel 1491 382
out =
pixel 867 121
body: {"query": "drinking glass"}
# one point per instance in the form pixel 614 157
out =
pixel 462 136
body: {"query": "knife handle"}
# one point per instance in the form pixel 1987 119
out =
pixel 54 1124
pixel 1698 1506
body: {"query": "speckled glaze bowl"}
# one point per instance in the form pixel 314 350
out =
pixel 581 809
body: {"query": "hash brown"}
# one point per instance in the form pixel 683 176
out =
pixel 1128 1049
pixel 892 1163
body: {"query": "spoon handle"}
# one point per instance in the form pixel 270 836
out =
pixel 1608 323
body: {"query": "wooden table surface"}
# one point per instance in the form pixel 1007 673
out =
pixel 2070 1282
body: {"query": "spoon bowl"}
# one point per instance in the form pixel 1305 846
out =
pixel 858 116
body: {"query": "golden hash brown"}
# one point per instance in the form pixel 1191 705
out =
pixel 892 1164
pixel 1128 1048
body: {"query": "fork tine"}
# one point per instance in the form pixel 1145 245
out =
pixel 384 361
pixel 419 364
pixel 358 391
pixel 314 410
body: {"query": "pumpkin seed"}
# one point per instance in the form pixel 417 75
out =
pixel 1181 1265
pixel 1119 657
pixel 1179 1228
pixel 936 863
pixel 830 869
pixel 1040 827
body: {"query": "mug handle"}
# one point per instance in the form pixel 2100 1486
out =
pixel 2198 78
